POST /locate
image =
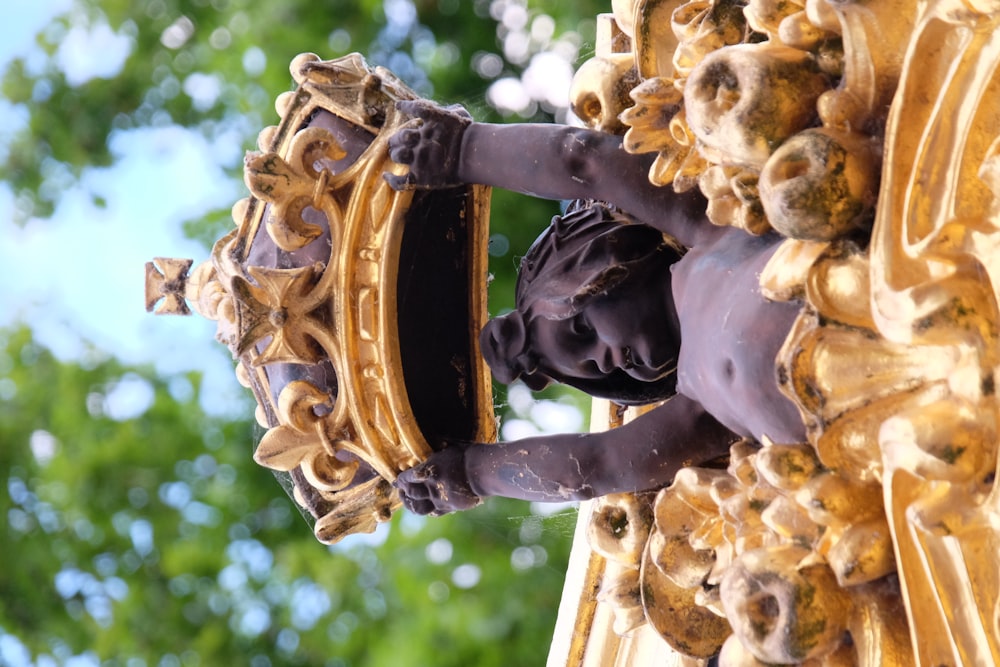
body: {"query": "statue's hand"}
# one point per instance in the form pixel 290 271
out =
pixel 439 485
pixel 430 144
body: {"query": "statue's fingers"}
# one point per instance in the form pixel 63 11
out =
pixel 431 112
pixel 416 475
pixel 418 505
pixel 404 182
pixel 406 137
pixel 401 155
pixel 459 110
pixel 409 107
pixel 411 489
pixel 418 108
pixel 402 136
pixel 408 126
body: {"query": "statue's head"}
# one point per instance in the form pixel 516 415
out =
pixel 593 310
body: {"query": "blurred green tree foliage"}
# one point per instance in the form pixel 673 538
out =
pixel 151 538
pixel 217 65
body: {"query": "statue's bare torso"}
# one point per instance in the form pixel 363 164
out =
pixel 729 333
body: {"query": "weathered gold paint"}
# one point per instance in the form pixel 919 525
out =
pixel 346 305
pixel 889 515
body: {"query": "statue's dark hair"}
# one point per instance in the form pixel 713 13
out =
pixel 586 252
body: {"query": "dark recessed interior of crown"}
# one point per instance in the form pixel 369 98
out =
pixel 433 303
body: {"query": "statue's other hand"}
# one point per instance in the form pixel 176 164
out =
pixel 439 485
pixel 430 144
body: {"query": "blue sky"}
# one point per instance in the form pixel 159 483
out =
pixel 77 278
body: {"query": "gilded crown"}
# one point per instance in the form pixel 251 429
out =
pixel 352 309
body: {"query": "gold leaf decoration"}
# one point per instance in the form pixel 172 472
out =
pixel 357 509
pixel 656 124
pixel 276 305
pixel 169 286
pixel 299 441
pixel 293 185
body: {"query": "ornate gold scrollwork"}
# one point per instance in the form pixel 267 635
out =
pixel 292 186
pixel 892 504
pixel 322 210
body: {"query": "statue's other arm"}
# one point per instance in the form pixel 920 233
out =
pixel 644 454
pixel 562 162
pixel 443 147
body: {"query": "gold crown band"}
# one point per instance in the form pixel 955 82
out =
pixel 332 303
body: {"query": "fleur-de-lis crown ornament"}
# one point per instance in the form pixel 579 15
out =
pixel 353 378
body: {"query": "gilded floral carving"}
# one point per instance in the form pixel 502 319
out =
pixel 881 120
pixel 314 328
pixel 275 304
pixel 291 186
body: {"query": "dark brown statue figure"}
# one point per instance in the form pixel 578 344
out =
pixel 638 300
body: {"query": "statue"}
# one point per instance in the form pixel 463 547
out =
pixel 798 201
pixel 653 304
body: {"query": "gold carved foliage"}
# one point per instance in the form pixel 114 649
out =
pixel 278 305
pixel 293 184
pixel 618 531
pixel 357 509
pixel 657 124
pixel 293 444
pixel 752 75
pixel 882 528
pixel 773 560
pixel 337 225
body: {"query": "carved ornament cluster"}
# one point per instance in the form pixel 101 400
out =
pixel 304 294
pixel 867 134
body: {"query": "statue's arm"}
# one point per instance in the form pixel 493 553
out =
pixel 563 162
pixel 644 454
pixel 444 147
